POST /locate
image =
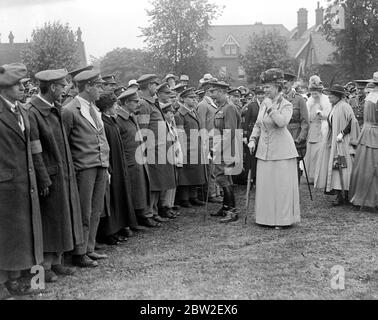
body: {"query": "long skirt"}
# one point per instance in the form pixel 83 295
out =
pixel 364 180
pixel 277 193
pixel 311 159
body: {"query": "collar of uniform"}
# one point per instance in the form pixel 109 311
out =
pixel 10 104
pixel 83 102
pixel 183 110
pixel 124 114
pixel 43 106
pixel 148 99
pixel 210 101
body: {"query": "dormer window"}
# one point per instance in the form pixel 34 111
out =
pixel 231 46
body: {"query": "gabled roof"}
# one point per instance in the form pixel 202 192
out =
pixel 231 40
pixel 11 52
pixel 323 48
pixel 241 33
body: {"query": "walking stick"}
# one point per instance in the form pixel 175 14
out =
pixel 306 174
pixel 208 191
pixel 247 196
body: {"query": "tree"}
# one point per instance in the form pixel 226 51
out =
pixel 357 45
pixel 51 47
pixel 266 50
pixel 126 64
pixel 177 35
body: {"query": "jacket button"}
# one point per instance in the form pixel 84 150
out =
pixel 31 190
pixel 30 170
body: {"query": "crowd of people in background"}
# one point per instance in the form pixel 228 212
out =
pixel 73 179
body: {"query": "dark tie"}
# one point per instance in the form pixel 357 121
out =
pixel 18 116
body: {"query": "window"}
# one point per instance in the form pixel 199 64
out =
pixel 230 50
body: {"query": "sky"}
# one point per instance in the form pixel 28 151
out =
pixel 108 24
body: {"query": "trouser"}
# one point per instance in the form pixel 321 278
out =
pixel 91 184
pixel 188 192
pixel 221 178
pixel 211 180
pixel 6 276
pixel 167 198
pixel 51 259
pixel 154 208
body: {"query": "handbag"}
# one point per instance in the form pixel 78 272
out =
pixel 339 161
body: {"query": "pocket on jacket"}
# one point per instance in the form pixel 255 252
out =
pixel 6 175
pixel 53 170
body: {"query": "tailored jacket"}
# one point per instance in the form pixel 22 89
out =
pixel 274 139
pixel 21 243
pixel 89 146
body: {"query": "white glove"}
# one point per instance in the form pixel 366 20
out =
pixel 340 137
pixel 252 146
pixel 245 140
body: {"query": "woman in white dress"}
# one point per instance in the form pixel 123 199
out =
pixel 277 193
pixel 319 107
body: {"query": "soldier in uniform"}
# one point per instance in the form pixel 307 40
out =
pixel 71 89
pixel 110 84
pixel 193 173
pixel 226 143
pixel 184 79
pixel 171 80
pixel 178 101
pixel 299 124
pixel 235 96
pixel 59 197
pixel 162 173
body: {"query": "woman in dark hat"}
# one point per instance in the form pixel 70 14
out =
pixel 334 167
pixel 277 192
pixel 118 208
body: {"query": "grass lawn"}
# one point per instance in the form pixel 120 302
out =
pixel 191 259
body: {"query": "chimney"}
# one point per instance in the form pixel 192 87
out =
pixel 302 21
pixel 319 15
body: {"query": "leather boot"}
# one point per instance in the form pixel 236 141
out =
pixel 231 216
pixel 339 201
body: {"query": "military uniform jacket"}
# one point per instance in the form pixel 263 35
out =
pixel 61 213
pixel 299 124
pixel 132 148
pixel 250 117
pixel 161 171
pixel 193 171
pixel 21 243
pixel 228 134
pixel 274 139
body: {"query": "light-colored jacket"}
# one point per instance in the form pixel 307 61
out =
pixel 274 139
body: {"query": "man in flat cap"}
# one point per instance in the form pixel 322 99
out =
pixel 227 149
pixel 235 95
pixel 21 244
pixel 59 197
pixel 71 90
pixel 132 148
pixel 90 153
pixel 193 172
pixel 206 110
pixel 162 172
pixel 299 124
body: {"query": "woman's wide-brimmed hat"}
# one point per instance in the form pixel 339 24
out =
pixel 374 80
pixel 315 84
pixel 274 75
pixel 336 88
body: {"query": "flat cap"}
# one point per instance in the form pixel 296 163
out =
pixel 88 76
pixel 288 76
pixel 219 84
pixel 129 93
pixel 51 75
pixel 188 92
pixel 234 91
pixel 12 73
pixel 164 87
pixel 75 72
pixel 132 83
pixel 179 88
pixel 272 75
pixel 184 77
pixel 200 92
pixel 148 78
pixel 109 79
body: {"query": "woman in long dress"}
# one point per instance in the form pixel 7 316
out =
pixel 334 166
pixel 318 106
pixel 364 181
pixel 277 193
